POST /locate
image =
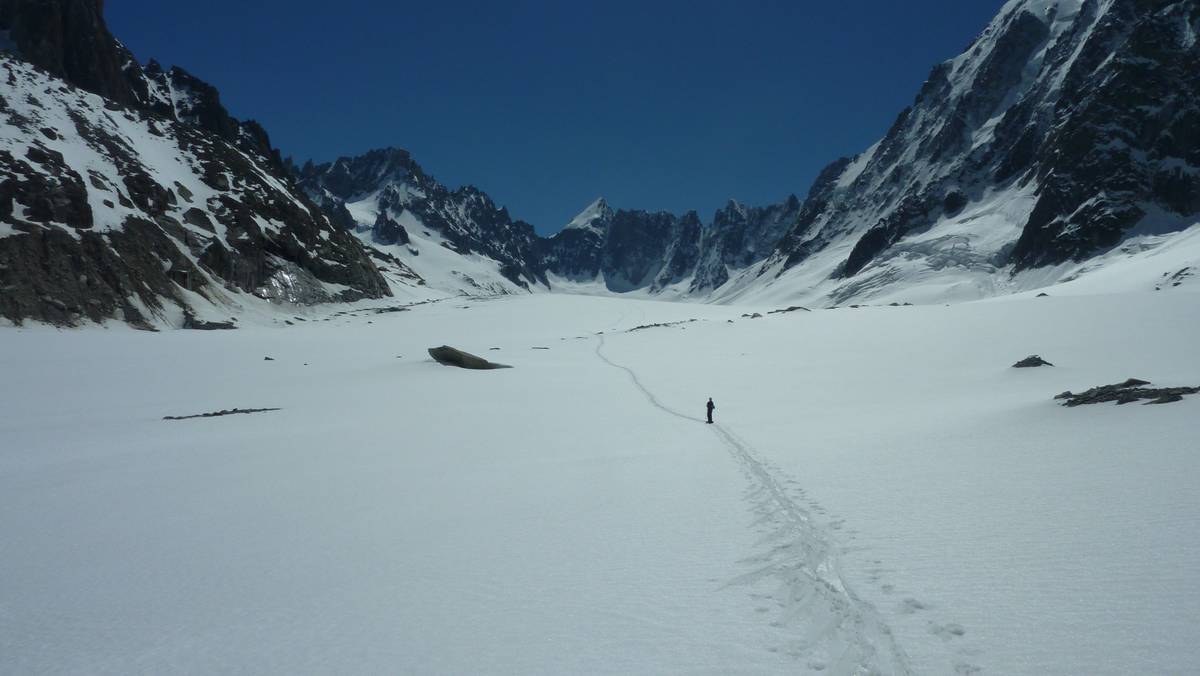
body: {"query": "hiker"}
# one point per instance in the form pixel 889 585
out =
pixel 711 406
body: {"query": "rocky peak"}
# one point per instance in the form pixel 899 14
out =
pixel 185 97
pixel 596 217
pixel 347 178
pixel 732 212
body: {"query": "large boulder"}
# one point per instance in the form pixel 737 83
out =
pixel 464 360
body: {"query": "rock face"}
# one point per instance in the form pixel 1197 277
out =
pixel 625 249
pixel 1032 361
pixel 69 40
pixel 130 193
pixel 577 251
pixel 1062 127
pixel 632 249
pixel 739 237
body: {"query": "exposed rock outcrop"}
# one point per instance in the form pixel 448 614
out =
pixel 1126 393
pixel 465 360
pixel 222 412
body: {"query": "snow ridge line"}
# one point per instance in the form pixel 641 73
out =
pixel 836 624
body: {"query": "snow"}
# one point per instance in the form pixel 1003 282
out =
pixel 881 494
pixel 960 258
pixel 856 166
pixel 1142 263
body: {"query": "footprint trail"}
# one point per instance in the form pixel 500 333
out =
pixel 797 573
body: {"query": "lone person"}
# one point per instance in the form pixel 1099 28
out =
pixel 711 406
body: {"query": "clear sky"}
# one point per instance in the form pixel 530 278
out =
pixel 548 104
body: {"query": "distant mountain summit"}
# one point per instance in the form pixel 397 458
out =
pixel 627 250
pixel 595 218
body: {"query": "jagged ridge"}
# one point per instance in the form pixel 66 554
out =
pixel 131 193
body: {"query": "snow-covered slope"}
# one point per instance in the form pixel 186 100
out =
pixel 1065 128
pixel 881 493
pixel 134 195
pixel 457 241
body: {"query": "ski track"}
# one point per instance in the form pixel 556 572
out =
pixel 638 384
pixel 798 572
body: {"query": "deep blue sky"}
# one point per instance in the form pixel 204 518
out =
pixel 547 105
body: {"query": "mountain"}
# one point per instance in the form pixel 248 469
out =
pixel 457 239
pixel 1066 128
pixel 627 250
pixel 1065 139
pixel 1066 133
pixel 624 249
pixel 130 193
pixel 461 241
pixel 739 237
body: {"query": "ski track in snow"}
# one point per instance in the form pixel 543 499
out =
pixel 638 384
pixel 838 632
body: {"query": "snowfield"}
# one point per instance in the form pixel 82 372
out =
pixel 881 493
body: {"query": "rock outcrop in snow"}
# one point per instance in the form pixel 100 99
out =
pixel 451 356
pixel 1127 392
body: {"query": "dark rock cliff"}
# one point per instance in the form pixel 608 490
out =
pixel 152 198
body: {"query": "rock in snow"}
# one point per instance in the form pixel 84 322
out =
pixel 1126 393
pixel 465 360
pixel 222 412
